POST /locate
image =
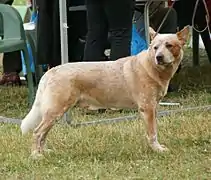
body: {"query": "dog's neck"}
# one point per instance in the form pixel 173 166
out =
pixel 160 74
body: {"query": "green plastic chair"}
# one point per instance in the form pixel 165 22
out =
pixel 14 39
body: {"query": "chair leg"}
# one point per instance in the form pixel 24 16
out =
pixel 195 49
pixel 38 73
pixel 29 77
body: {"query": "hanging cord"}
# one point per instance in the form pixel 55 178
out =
pixel 207 17
pixel 165 17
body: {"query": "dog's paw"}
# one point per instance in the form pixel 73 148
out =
pixel 35 155
pixel 159 147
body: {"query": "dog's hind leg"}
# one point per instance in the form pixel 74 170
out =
pixel 52 111
pixel 40 133
pixel 39 136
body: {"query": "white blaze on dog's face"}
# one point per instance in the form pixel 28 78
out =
pixel 166 49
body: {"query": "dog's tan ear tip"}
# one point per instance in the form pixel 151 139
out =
pixel 183 34
pixel 186 29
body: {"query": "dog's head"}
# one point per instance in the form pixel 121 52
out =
pixel 166 49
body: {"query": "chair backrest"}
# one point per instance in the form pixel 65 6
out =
pixel 11 23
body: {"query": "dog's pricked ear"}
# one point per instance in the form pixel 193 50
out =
pixel 183 35
pixel 152 33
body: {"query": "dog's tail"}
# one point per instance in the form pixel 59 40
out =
pixel 34 117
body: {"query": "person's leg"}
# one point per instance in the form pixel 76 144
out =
pixel 48 33
pixel 97 31
pixel 56 41
pixel 76 35
pixel 184 11
pixel 169 25
pixel 200 24
pixel 44 34
pixel 119 14
pixel 12 66
pixel 12 62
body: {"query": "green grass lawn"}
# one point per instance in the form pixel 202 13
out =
pixel 115 151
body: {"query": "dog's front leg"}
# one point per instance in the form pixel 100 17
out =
pixel 149 114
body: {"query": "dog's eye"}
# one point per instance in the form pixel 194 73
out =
pixel 169 45
pixel 155 47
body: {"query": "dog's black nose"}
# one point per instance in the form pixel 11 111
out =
pixel 160 58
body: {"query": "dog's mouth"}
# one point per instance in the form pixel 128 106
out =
pixel 163 63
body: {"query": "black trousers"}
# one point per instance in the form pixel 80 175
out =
pixel 48 32
pixel 113 16
pixel 12 62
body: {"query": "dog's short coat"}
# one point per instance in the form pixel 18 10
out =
pixel 132 82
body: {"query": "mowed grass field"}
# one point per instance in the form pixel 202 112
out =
pixel 116 151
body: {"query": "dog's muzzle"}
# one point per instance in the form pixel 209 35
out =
pixel 160 60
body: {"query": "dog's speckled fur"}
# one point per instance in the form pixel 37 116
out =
pixel 133 82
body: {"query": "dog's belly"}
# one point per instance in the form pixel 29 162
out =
pixel 106 102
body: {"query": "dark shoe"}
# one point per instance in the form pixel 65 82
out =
pixel 10 79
